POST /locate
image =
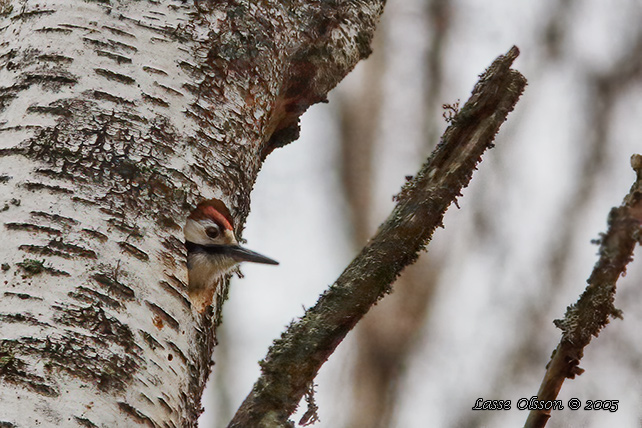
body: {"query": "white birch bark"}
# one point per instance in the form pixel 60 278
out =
pixel 116 117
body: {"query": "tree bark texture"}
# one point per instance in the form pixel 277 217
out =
pixel 595 307
pixel 294 360
pixel 116 118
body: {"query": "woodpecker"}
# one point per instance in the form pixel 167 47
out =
pixel 213 251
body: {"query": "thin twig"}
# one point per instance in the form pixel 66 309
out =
pixel 294 360
pixel 592 312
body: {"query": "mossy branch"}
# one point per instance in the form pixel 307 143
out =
pixel 592 311
pixel 294 360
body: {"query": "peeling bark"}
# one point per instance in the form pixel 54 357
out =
pixel 116 118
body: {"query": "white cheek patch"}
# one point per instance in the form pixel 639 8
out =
pixel 205 270
pixel 195 232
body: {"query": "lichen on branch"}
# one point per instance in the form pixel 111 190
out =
pixel 294 360
pixel 594 309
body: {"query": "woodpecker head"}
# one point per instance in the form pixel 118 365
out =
pixel 212 249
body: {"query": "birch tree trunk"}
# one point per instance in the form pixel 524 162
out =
pixel 116 118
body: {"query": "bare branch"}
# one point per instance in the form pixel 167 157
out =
pixel 294 359
pixel 591 313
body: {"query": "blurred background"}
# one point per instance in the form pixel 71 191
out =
pixel 473 318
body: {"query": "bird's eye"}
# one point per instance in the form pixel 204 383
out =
pixel 212 232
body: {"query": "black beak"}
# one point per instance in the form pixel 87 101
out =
pixel 244 255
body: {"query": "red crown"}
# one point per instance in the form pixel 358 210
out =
pixel 216 210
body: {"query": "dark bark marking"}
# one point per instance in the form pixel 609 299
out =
pixel 134 251
pixel 146 398
pixel 101 95
pixel 52 110
pixel 192 89
pixel 129 229
pixel 175 246
pixel 150 340
pixel 22 318
pixel 94 318
pixel 116 77
pixel 14 370
pixel 177 282
pixel 135 414
pixel 120 59
pixel 78 27
pixel 44 251
pixel 37 249
pixel 56 58
pixel 51 188
pixel 96 235
pixel 177 350
pixel 6 99
pixel 64 31
pixel 105 151
pixel 83 201
pixel 85 422
pixel 7 205
pixel 155 39
pixel 65 221
pixel 174 292
pixel 114 286
pixel 122 45
pixel 35 267
pixel 159 30
pixel 169 90
pixel 189 68
pixel 119 32
pixel 91 296
pixel 57 175
pixel 166 406
pixel 155 100
pixel 49 79
pixel 109 372
pixel 111 44
pixel 25 15
pixel 161 313
pixel 152 70
pixel 33 228
pixel 21 296
pixel 72 250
